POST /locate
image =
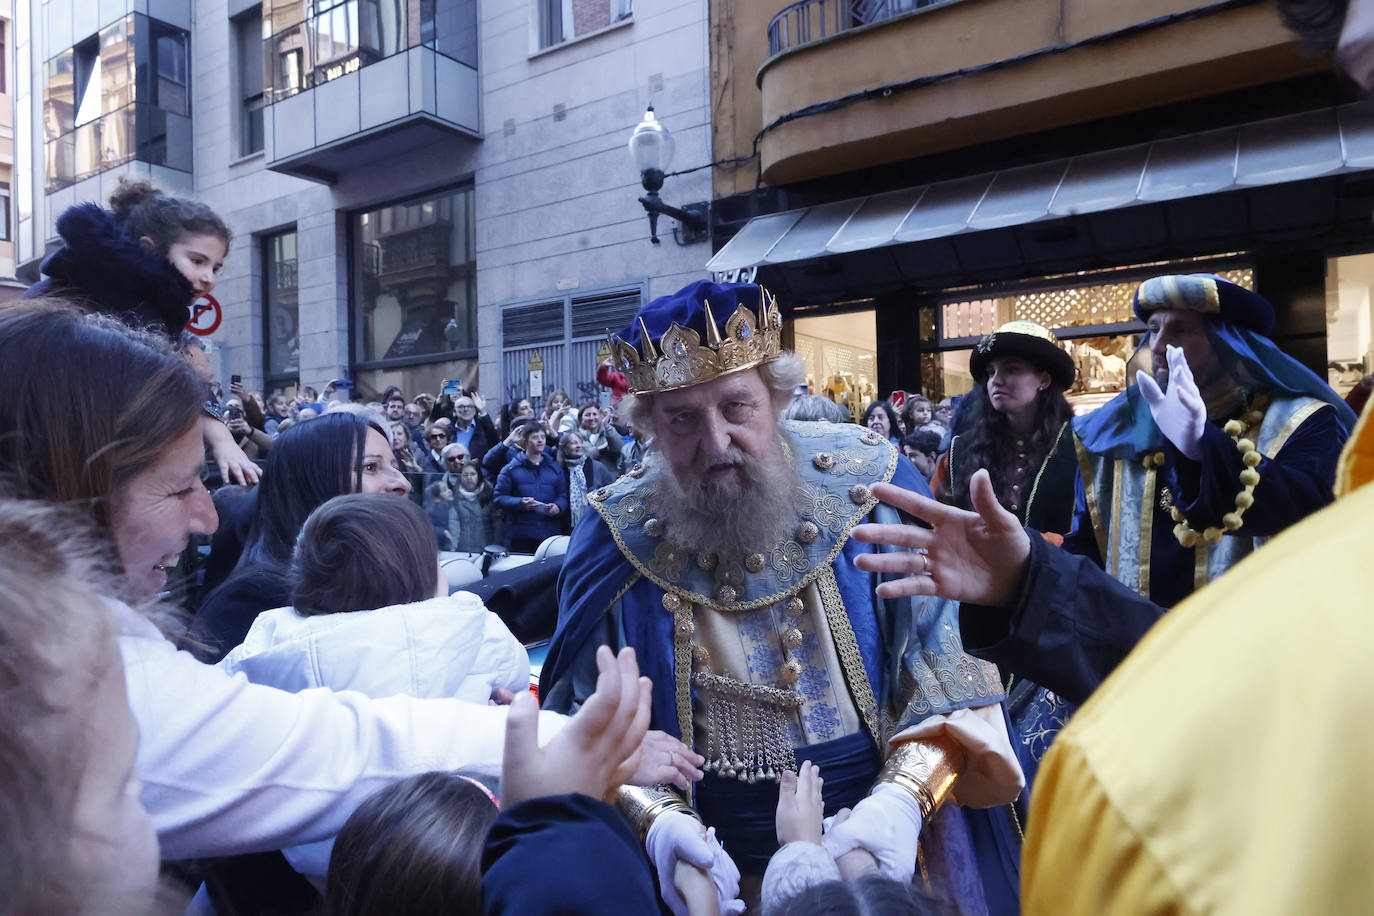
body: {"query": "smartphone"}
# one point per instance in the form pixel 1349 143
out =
pixel 236 380
pixel 453 387
pixel 233 413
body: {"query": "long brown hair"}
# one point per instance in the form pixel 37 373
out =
pixel 86 403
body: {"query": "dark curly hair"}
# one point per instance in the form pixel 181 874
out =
pixel 145 211
pixel 984 434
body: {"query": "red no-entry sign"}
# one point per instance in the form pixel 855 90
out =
pixel 205 316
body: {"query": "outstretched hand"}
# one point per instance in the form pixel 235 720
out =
pixel 978 557
pixel 1180 413
pixel 596 751
pixel 800 806
pixel 665 760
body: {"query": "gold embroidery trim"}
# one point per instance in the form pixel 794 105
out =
pixel 1147 522
pixel 1035 487
pixel 1200 558
pixel 1114 566
pixel 1296 420
pixel 683 626
pixel 847 647
pixel 1085 468
pixel 860 512
pixel 952 485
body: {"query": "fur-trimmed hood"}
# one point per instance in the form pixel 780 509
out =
pixel 104 270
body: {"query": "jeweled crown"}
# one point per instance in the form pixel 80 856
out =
pixel 682 360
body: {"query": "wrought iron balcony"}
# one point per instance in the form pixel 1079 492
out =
pixel 813 20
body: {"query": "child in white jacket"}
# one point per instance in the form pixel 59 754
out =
pixel 371 612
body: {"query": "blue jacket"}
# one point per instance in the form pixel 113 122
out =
pixel 544 482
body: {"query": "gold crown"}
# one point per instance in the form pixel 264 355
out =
pixel 681 360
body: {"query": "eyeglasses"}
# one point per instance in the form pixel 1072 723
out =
pixel 437 436
pixel 452 459
pixel 466 407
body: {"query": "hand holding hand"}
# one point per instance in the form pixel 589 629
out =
pixel 596 751
pixel 1180 413
pixel 800 807
pixel 677 840
pixel 886 824
pixel 977 557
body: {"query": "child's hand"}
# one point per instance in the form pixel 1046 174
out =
pixel 800 807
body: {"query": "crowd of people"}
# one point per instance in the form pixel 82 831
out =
pixel 802 664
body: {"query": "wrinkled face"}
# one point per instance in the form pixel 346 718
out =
pixel 469 478
pixel 436 438
pixel 454 460
pixel 944 413
pixel 591 418
pixel 702 430
pixel 198 258
pixel 920 412
pixel 380 474
pixel 158 510
pixel 114 847
pixel 573 446
pixel 399 437
pixel 1013 384
pixel 396 409
pixel 535 441
pixel 412 414
pixel 1181 328
pixel 878 422
pixel 465 410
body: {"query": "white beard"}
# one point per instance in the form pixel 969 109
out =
pixel 747 514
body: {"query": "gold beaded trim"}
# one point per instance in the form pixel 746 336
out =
pixel 847 647
pixel 1249 479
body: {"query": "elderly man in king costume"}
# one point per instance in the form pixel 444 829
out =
pixel 725 560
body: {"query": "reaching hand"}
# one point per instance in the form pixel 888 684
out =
pixel 800 807
pixel 478 401
pixel 977 557
pixel 234 466
pixel 597 750
pixel 1180 412
pixel 664 760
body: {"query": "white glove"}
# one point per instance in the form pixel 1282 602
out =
pixel 676 836
pixel 1179 412
pixel 887 824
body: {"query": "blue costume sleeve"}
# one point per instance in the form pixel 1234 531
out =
pixel 566 854
pixel 1069 627
pixel 1293 484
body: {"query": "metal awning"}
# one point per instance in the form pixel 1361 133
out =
pixel 1313 144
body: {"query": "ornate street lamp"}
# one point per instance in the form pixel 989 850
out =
pixel 652 148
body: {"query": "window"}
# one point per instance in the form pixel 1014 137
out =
pixel 281 310
pixel 550 22
pixel 563 20
pixel 172 92
pixel 3 56
pixel 565 339
pixel 413 289
pixel 248 59
pixel 5 211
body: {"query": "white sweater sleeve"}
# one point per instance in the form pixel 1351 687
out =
pixel 229 766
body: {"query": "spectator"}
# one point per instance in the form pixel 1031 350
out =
pixel 370 612
pixel 923 449
pixel 436 437
pixel 414 847
pixel 881 418
pixel 582 474
pixel 145 261
pixel 477 521
pixel 944 413
pixel 306 413
pixel 532 493
pixel 276 411
pixel 338 453
pixel 254 442
pixel 816 408
pixel 472 428
pixel 513 413
pixel 603 442
pixel 395 408
pixel 403 449
pixel 75 836
pixel 454 457
pixel 554 405
pixel 505 451
pixel 415 421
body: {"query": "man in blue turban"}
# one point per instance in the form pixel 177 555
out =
pixel 725 560
pixel 1224 442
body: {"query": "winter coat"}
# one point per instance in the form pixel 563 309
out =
pixel 102 269
pixel 443 647
pixel 544 482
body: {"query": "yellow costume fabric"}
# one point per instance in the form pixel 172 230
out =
pixel 1227 765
